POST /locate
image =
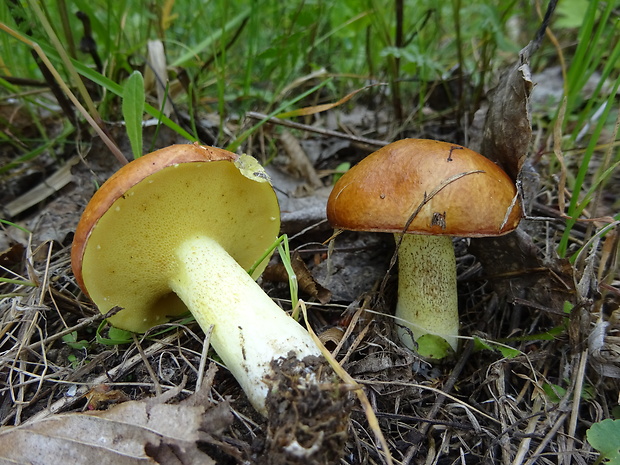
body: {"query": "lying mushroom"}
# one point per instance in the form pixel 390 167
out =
pixel 425 191
pixel 176 230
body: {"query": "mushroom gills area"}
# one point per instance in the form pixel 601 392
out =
pixel 427 293
pixel 130 256
pixel 249 329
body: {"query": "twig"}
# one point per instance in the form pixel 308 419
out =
pixel 204 357
pixel 147 365
pixel 574 414
pixel 322 131
pixel 66 402
pixel 525 445
pixel 545 442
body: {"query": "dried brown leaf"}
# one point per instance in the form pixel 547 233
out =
pixel 12 255
pixel 506 139
pixel 508 124
pixel 508 128
pixel 307 282
pixel 135 432
pixel 299 165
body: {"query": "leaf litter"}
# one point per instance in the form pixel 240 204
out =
pixel 148 431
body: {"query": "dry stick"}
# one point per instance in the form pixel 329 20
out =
pixel 524 446
pixel 360 337
pixel 147 365
pixel 203 357
pixel 350 328
pixel 413 450
pixel 116 372
pixel 359 392
pixel 322 131
pixel 546 440
pixel 574 414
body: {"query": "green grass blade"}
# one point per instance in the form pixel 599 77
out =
pixel 117 89
pixel 17 282
pixel 576 205
pixel 210 40
pixel 285 256
pixel 15 226
pixel 243 136
pixel 133 110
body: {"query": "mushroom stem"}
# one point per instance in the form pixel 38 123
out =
pixel 250 331
pixel 427 294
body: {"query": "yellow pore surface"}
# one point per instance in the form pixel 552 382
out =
pixel 130 256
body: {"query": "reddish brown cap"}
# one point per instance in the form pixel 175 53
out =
pixel 454 190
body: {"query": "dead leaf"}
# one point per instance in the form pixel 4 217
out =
pixel 307 283
pixel 13 255
pixel 134 432
pixel 327 106
pixel 508 128
pixel 522 275
pixel 299 165
pixel 102 395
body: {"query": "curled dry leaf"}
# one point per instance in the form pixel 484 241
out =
pixel 299 165
pixel 102 395
pixel 307 283
pixel 12 255
pixel 508 123
pixel 508 129
pixel 135 432
pixel 506 138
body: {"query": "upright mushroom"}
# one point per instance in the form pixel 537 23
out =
pixel 176 230
pixel 425 191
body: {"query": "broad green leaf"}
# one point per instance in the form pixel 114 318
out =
pixel 604 436
pixel 340 170
pixel 433 347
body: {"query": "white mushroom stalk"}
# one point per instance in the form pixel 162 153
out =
pixel 250 330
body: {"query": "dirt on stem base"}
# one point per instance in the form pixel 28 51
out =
pixel 308 414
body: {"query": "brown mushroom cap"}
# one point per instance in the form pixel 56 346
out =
pixel 123 249
pixel 383 191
